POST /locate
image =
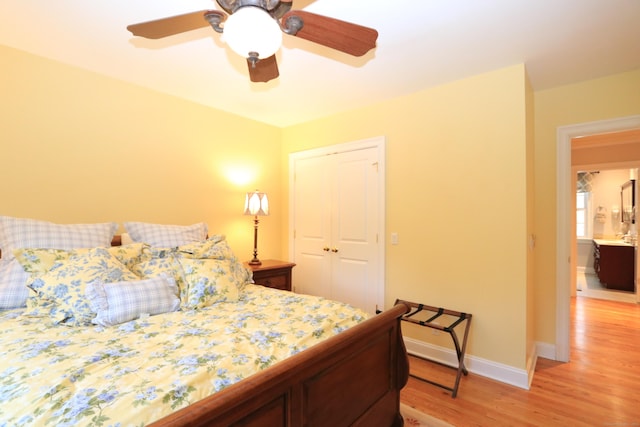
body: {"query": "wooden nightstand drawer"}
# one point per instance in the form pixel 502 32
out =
pixel 277 282
pixel 273 274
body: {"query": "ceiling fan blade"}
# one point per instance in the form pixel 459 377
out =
pixel 170 26
pixel 344 36
pixel 263 70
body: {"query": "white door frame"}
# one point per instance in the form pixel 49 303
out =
pixel 376 142
pixel 563 219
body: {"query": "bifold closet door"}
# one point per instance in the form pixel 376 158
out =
pixel 336 227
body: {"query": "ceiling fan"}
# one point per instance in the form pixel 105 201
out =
pixel 253 29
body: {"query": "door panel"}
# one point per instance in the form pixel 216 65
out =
pixel 312 227
pixel 312 273
pixel 350 282
pixel 354 228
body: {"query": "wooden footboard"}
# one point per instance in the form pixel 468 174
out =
pixel 352 379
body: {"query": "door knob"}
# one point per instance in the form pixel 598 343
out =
pixel 334 250
pixel 326 249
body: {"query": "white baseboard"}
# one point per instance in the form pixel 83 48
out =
pixel 546 351
pixel 504 373
pixel 586 270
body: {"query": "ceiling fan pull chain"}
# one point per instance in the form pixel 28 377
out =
pixel 253 59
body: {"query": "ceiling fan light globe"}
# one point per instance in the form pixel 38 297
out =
pixel 252 29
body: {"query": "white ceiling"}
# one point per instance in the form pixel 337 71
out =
pixel 421 43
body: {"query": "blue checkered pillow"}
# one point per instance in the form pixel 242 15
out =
pixel 121 302
pixel 17 233
pixel 166 236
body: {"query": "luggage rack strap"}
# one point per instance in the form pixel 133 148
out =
pixel 416 308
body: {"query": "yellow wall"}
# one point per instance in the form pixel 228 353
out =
pixel 531 227
pixel 457 197
pixel 600 99
pixel 80 147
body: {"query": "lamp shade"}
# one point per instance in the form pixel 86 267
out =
pixel 256 203
pixel 252 29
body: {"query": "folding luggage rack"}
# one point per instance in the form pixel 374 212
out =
pixel 434 321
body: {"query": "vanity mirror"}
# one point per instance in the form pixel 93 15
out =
pixel 628 201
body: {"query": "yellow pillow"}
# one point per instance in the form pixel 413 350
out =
pixel 62 289
pixel 154 262
pixel 215 247
pixel 39 261
pixel 208 281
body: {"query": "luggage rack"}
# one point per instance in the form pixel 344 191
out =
pixel 433 321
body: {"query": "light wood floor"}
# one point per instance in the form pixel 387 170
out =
pixel 600 386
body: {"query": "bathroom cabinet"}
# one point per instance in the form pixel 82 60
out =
pixel 614 264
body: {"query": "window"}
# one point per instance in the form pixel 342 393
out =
pixel 582 215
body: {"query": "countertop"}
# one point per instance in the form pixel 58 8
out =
pixel 612 242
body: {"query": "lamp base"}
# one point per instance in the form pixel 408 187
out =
pixel 255 261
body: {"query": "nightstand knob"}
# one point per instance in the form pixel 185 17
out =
pixel 334 250
pixel 326 249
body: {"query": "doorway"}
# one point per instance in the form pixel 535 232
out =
pixel 605 264
pixel 565 210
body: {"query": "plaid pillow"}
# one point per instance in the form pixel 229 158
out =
pixel 166 236
pixel 121 302
pixel 16 233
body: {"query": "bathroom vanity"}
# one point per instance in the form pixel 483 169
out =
pixel 614 264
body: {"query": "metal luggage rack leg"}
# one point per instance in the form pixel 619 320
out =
pixel 450 329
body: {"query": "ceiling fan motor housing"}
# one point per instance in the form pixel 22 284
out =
pixel 253 33
pixel 231 6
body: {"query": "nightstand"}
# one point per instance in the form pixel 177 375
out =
pixel 273 274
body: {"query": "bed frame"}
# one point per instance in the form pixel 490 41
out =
pixel 351 379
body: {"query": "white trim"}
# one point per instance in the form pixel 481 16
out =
pixel 546 350
pixel 477 365
pixel 563 219
pixel 378 142
pixel 531 364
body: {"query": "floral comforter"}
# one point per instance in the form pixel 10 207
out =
pixel 137 372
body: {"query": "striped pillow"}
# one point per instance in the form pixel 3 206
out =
pixel 166 236
pixel 121 302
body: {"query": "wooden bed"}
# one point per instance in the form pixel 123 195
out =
pixel 352 379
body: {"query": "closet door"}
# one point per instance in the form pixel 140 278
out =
pixel 354 228
pixel 312 229
pixel 337 226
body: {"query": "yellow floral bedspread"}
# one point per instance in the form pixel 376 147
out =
pixel 137 372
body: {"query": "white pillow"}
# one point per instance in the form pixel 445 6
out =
pixel 166 236
pixel 121 302
pixel 17 233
